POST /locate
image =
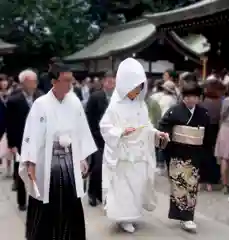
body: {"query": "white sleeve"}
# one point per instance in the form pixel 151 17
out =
pixel 34 134
pixel 109 129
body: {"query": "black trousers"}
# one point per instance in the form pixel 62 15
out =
pixel 95 177
pixel 21 193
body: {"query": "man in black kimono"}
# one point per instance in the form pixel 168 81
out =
pixel 18 107
pixel 186 123
pixel 45 81
pixel 96 107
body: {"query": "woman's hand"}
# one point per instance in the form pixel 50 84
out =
pixel 162 139
pixel 163 136
pixel 128 131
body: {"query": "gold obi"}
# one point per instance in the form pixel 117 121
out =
pixel 188 135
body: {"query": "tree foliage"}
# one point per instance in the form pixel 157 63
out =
pixel 61 25
pixel 64 26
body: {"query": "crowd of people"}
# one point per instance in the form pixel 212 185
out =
pixel 109 137
pixel 213 97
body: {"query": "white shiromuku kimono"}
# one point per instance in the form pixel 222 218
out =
pixel 129 161
pixel 47 119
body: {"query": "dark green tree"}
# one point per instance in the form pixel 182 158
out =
pixel 64 26
pixel 61 25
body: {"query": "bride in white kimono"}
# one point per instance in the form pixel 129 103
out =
pixel 129 158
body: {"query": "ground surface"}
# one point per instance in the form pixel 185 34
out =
pixel 212 217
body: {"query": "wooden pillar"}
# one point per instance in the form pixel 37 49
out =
pixel 112 61
pixel 150 66
pixel 95 65
pixel 204 60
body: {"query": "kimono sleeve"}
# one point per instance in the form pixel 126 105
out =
pixel 207 133
pixel 34 134
pixel 225 109
pixel 167 122
pixel 111 133
pixel 2 118
pixel 87 143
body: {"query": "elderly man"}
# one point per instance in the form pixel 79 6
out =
pixel 17 110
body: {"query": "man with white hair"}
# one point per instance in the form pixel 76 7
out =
pixel 17 110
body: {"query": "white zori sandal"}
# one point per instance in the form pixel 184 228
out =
pixel 127 227
pixel 188 225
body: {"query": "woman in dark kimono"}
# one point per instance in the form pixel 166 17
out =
pixel 186 123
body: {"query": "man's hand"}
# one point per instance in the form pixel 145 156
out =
pixel 31 169
pixel 128 131
pixel 13 150
pixel 84 167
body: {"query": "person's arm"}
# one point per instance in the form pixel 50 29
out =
pixel 167 121
pixel 207 131
pixel 225 110
pixel 34 134
pixel 78 93
pixel 91 111
pixel 87 144
pixel 112 134
pixel 11 125
pixel 33 138
pixel 2 119
pixel 40 85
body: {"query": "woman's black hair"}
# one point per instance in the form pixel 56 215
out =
pixel 158 85
pixel 190 77
pixel 191 89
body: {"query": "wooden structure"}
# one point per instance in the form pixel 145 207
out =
pixel 142 40
pixel 6 48
pixel 208 17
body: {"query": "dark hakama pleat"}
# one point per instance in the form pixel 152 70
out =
pixel 63 217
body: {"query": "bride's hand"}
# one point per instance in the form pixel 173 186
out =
pixel 128 131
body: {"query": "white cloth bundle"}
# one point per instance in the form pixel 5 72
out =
pixel 65 140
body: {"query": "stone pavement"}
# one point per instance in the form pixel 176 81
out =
pixel 153 226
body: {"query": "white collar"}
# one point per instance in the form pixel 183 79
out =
pixel 192 110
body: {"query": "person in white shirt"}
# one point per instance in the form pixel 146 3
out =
pixel 56 142
pixel 168 98
pixel 85 90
